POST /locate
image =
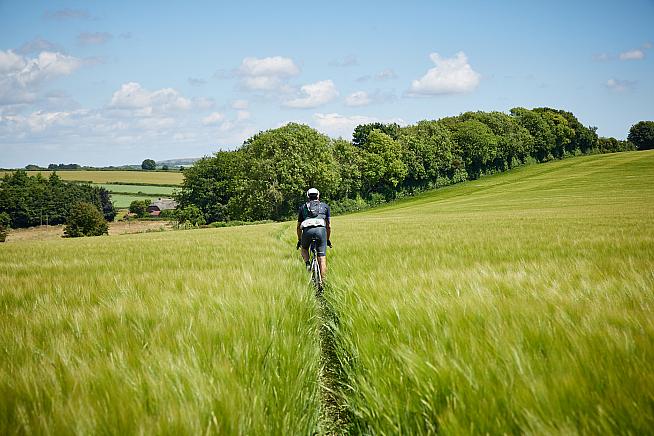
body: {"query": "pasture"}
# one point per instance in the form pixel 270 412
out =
pixel 517 303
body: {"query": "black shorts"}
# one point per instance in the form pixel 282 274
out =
pixel 320 233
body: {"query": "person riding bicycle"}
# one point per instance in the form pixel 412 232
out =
pixel 313 222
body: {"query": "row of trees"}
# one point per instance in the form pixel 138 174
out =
pixel 266 178
pixel 34 200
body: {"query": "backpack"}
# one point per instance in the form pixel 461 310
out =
pixel 313 208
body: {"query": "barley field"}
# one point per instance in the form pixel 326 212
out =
pixel 145 177
pixel 517 303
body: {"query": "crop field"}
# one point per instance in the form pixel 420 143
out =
pixel 160 191
pixel 145 177
pixel 517 303
pixel 122 201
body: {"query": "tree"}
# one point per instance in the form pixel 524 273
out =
pixel 165 167
pixel 641 135
pixel 85 219
pixel 362 132
pixel 149 164
pixel 5 225
pixel 139 207
pixel 383 168
pixel 477 145
pixel 427 153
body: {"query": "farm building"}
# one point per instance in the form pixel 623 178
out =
pixel 157 206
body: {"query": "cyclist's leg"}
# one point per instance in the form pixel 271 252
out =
pixel 322 251
pixel 304 244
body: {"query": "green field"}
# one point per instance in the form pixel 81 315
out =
pixel 146 177
pixel 122 201
pixel 517 303
pixel 160 191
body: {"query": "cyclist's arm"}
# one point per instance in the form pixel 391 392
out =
pixel 329 230
pixel 299 231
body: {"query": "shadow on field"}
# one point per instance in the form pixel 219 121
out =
pixel 335 416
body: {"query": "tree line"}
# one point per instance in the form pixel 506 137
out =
pixel 267 176
pixel 35 200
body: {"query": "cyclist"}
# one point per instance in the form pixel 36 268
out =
pixel 313 222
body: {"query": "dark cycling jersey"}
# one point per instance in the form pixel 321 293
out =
pixel 323 212
pixel 314 226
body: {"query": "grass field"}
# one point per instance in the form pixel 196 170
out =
pixel 518 303
pixel 160 191
pixel 146 177
pixel 124 200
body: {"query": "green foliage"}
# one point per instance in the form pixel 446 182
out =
pixel 612 145
pixel 190 215
pixel 641 135
pixel 34 200
pixel 5 225
pixel 362 132
pixel 267 177
pixel 139 207
pixel 149 164
pixel 85 219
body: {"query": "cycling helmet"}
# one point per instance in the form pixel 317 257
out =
pixel 313 192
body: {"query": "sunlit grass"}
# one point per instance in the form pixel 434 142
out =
pixel 154 177
pixel 517 303
pixel 175 332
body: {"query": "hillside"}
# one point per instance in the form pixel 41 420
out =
pixel 515 303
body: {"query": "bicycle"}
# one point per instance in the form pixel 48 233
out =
pixel 316 278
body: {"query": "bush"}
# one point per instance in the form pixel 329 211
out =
pixel 190 215
pixel 139 207
pixel 85 220
pixel 5 222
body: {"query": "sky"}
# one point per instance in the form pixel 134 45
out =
pixel 113 83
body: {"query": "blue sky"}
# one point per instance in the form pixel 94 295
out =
pixel 109 83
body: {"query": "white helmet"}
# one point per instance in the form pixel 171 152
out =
pixel 312 192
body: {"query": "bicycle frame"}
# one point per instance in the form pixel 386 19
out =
pixel 316 278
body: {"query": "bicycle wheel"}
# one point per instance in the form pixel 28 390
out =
pixel 317 279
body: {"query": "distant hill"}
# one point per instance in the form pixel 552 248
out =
pixel 178 162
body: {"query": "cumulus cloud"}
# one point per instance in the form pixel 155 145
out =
pixel 449 76
pixel 632 55
pixel 358 98
pixel 314 95
pixel 267 74
pixel 335 125
pixel 21 77
pixel 346 61
pixel 363 98
pixel 213 118
pixel 93 38
pixel 38 45
pixel 619 85
pixel 133 96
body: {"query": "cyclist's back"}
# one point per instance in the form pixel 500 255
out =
pixel 313 222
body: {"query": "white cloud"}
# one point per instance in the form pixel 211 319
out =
pixel 213 118
pixel 335 125
pixel 358 98
pixel 619 85
pixel 21 77
pixel 314 95
pixel 38 45
pixel 267 74
pixel 449 76
pixel 240 104
pixel 386 74
pixel 133 96
pixel 631 55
